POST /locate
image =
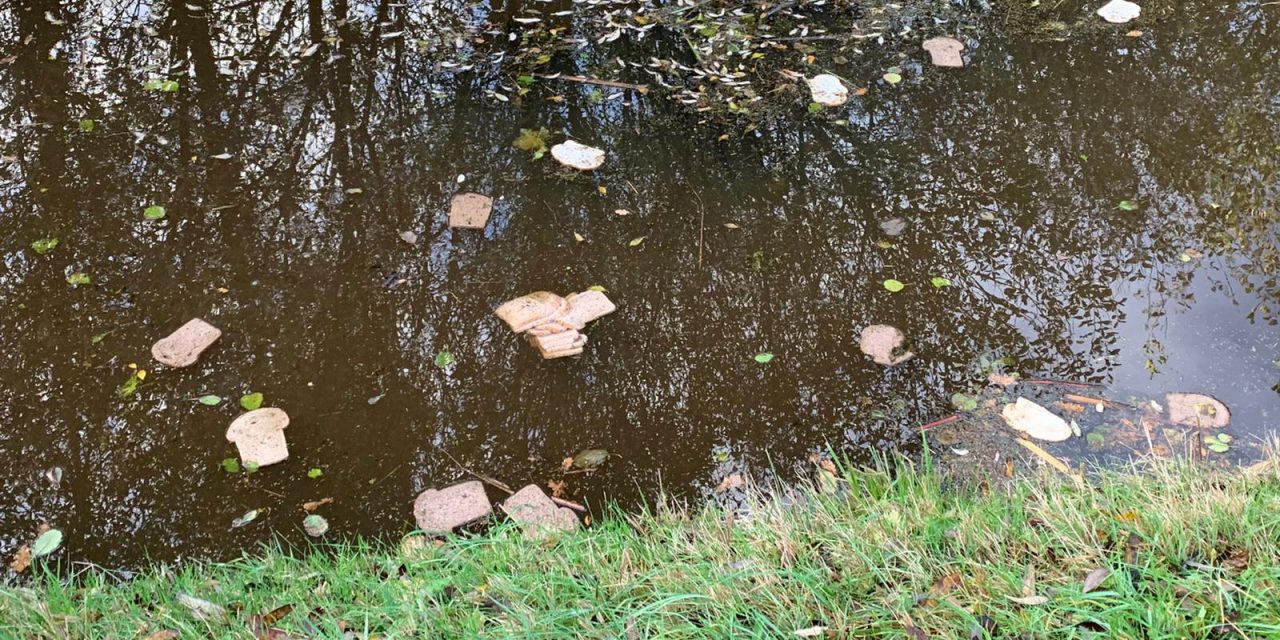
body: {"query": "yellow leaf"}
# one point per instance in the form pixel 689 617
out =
pixel 636 241
pixel 141 374
pixel 602 189
pixel 133 365
pixel 578 237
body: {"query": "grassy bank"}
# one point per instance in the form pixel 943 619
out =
pixel 1188 553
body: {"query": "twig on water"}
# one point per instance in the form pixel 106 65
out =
pixel 639 88
pixel 939 423
pixel 702 222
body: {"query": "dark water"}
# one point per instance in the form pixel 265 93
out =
pixel 1007 174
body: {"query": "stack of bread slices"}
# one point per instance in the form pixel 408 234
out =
pixel 553 323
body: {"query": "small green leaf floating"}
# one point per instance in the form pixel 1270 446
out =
pixel 444 359
pixel 964 402
pixel 815 107
pixel 315 472
pixel 1127 205
pixel 44 245
pixel 88 125
pixel 231 465
pixel 590 458
pixel 893 285
pixel 47 543
pixel 77 279
pixel 940 282
pixel 153 212
pixel 251 401
pixel 892 77
pixel 1218 443
pixel 635 242
pixel 249 516
pixel 315 525
pixel 764 357
pixel 597 288
pixel 210 400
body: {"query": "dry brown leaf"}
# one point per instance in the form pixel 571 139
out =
pixel 567 464
pixel 1072 407
pixel 731 481
pixel 315 504
pixel 1134 34
pixel 557 488
pixel 860 91
pixel 21 559
pixel 946 584
pixel 1095 579
pixel 1002 379
pixel 1131 548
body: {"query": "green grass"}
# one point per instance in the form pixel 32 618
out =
pixel 1192 553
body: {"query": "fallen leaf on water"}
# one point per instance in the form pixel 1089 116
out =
pixel 1127 205
pixel 567 463
pixel 893 286
pixel 1095 579
pixel 444 359
pixel 590 458
pixel 731 481
pixel 578 236
pixel 249 516
pixel 251 401
pixel 210 400
pixel 1134 34
pixel 635 242
pixel 764 357
pixel 893 78
pixel 21 559
pixel 730 225
pixel 557 488
pixel 316 504
pixel 46 543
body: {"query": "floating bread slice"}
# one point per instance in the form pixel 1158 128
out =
pixel 183 347
pixel 559 345
pixel 470 211
pixel 1036 421
pixel 259 436
pixel 587 306
pixel 537 515
pixel 1197 410
pixel 945 52
pixel 579 156
pixel 528 311
pixel 443 510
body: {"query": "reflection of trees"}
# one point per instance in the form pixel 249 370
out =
pixel 985 168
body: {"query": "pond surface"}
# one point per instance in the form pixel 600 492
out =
pixel 286 189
